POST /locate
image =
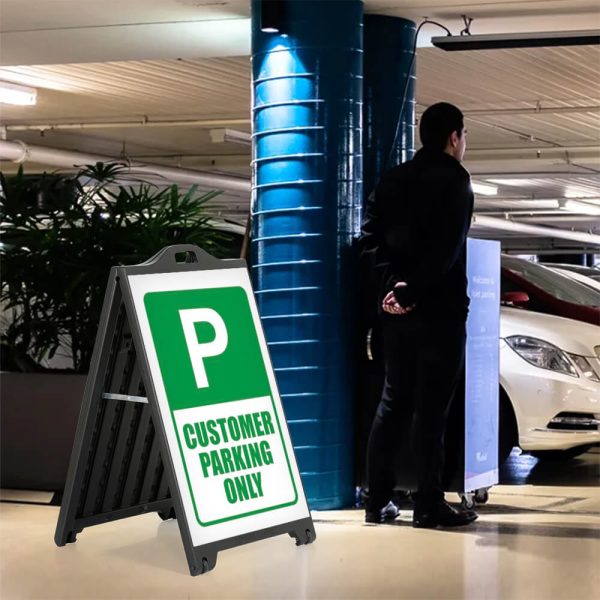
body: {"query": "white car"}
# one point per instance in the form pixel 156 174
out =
pixel 550 383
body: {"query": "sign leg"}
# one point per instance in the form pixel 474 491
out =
pixel 303 532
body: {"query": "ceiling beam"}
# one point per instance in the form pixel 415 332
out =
pixel 533 110
pixel 20 152
pixel 507 225
pixel 141 122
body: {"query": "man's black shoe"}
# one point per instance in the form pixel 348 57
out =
pixel 388 513
pixel 441 514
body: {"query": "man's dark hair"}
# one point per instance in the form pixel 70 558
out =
pixel 437 124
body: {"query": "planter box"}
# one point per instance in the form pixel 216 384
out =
pixel 38 419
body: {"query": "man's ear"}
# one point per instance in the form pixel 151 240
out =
pixel 454 139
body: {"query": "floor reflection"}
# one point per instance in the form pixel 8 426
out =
pixel 521 469
pixel 552 530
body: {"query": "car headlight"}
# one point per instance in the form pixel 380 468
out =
pixel 542 354
pixel 585 367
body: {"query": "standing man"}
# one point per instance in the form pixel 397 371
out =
pixel 416 228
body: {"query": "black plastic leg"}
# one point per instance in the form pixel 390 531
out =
pixel 304 536
pixel 204 565
pixel 70 537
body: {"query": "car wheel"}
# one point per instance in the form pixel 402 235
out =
pixel 560 454
pixel 507 425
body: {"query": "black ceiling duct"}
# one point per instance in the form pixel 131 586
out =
pixel 517 40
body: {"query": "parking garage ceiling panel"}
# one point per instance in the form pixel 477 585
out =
pixel 211 87
pixel 533 115
pixel 26 15
pixel 495 82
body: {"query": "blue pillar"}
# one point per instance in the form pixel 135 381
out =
pixel 306 208
pixel 389 43
pixel 387 141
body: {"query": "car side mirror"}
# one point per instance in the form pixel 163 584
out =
pixel 519 299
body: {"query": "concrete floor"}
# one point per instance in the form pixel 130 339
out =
pixel 537 538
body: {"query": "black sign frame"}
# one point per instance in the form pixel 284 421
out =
pixel 121 464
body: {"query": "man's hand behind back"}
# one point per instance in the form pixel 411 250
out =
pixel 391 306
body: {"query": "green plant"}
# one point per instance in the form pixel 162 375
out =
pixel 61 235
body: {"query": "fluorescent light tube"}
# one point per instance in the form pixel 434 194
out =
pixel 576 193
pixel 484 189
pixel 20 95
pixel 514 182
pixel 577 206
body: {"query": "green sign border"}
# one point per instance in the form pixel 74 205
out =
pixel 247 514
pixel 183 460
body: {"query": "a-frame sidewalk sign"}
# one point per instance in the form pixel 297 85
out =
pixel 181 414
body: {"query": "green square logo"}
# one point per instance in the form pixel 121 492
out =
pixel 235 373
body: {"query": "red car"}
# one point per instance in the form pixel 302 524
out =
pixel 532 286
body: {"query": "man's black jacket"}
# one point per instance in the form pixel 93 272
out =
pixel 415 230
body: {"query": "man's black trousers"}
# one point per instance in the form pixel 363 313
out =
pixel 424 359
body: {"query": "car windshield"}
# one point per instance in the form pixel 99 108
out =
pixel 587 271
pixel 560 286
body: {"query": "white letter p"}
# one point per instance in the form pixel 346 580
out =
pixel 198 351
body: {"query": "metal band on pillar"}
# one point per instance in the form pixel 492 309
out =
pixel 306 206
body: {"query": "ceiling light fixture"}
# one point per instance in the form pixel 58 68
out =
pixel 576 206
pixel 20 95
pixel 484 189
pixel 272 16
pixel 517 40
pixel 219 136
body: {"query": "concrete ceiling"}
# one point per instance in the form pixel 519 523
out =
pixel 68 31
pixel 116 67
